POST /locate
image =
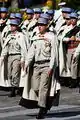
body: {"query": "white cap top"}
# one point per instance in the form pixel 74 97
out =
pixel 62 4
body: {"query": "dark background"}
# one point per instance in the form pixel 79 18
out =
pixel 23 3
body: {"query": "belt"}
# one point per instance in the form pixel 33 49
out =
pixel 42 61
pixel 72 47
pixel 14 54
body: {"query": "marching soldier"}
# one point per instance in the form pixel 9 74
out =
pixel 6 31
pixel 61 21
pixel 25 26
pixel 15 48
pixel 36 29
pixel 3 20
pixel 58 13
pixel 63 67
pixel 22 28
pixel 51 20
pixel 64 33
pixel 44 51
pixel 37 13
pixel 7 28
pixel 32 22
pixel 3 15
pixel 71 44
pixel 30 14
pixel 75 65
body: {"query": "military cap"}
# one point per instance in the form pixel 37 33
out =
pixel 37 10
pixel 62 4
pixel 14 22
pixel 45 9
pixel 12 15
pixel 3 9
pixel 30 11
pixel 45 15
pixel 66 9
pixel 23 10
pixel 18 15
pixel 50 12
pixel 74 15
pixel 42 21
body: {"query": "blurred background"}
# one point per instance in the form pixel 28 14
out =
pixel 29 3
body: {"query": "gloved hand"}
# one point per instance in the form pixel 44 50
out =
pixel 50 72
pixel 22 64
pixel 24 72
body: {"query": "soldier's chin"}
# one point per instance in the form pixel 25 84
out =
pixel 41 31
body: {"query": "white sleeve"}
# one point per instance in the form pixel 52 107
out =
pixel 66 39
pixel 4 51
pixel 30 55
pixel 77 51
pixel 22 42
pixel 54 52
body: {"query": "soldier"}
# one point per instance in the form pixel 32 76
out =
pixel 75 68
pixel 26 24
pixel 6 31
pixel 75 65
pixel 71 44
pixel 51 20
pixel 15 49
pixel 50 26
pixel 22 28
pixel 63 67
pixel 7 28
pixel 37 12
pixel 63 33
pixel 32 22
pixel 44 50
pixel 30 14
pixel 3 19
pixel 36 29
pixel 58 13
pixel 61 21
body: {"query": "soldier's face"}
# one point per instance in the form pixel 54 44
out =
pixel 42 28
pixel 13 28
pixel 37 15
pixel 68 21
pixel 73 21
pixel 3 15
pixel 64 14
